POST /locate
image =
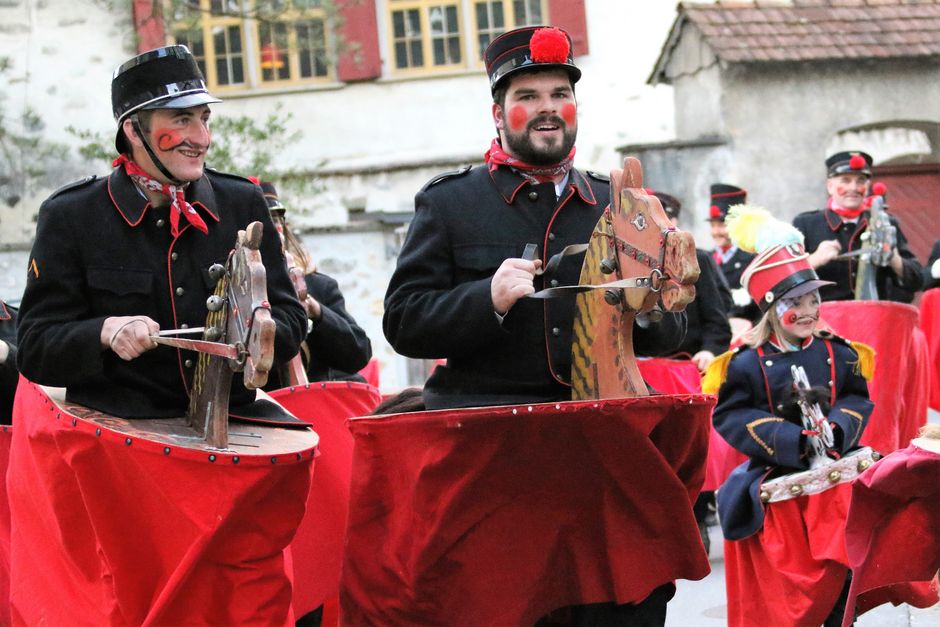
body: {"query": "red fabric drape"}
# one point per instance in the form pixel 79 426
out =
pixel 6 438
pixel 317 548
pixel 893 530
pixel 930 325
pixel 497 515
pixel 791 571
pixel 371 372
pixel 899 388
pixel 681 376
pixel 107 529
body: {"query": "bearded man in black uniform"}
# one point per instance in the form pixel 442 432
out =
pixel 459 289
pixel 837 229
pixel 116 259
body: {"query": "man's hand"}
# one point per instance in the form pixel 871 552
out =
pixel 128 336
pixel 827 251
pixel 512 281
pixel 702 359
pixel 312 305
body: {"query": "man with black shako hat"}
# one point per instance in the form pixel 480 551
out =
pixel 458 290
pixel 837 230
pixel 116 259
pixel 731 260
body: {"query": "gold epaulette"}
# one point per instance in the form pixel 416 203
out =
pixel 865 365
pixel 716 372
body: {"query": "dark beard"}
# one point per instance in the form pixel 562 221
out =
pixel 520 144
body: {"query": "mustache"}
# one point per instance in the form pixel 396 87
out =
pixel 547 119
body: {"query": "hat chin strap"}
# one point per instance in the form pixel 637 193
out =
pixel 153 157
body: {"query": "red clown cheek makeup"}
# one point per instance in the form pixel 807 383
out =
pixel 517 117
pixel 569 113
pixel 168 139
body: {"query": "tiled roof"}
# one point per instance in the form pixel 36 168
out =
pixel 741 31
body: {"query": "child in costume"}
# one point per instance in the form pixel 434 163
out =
pixel 784 540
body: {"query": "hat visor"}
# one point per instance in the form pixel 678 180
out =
pixel 182 102
pixel 574 73
pixel 805 288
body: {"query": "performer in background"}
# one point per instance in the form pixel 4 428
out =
pixel 730 259
pixel 837 230
pixel 336 347
pixel 932 271
pixel 458 291
pixel 116 259
pixel 773 550
pixel 708 333
pixel 8 373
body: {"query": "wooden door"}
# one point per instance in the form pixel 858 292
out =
pixel 914 197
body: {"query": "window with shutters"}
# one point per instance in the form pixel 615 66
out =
pixel 242 44
pixel 427 36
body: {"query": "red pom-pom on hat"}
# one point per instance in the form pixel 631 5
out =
pixel 255 180
pixel 714 212
pixel 857 162
pixel 549 45
pixel 879 189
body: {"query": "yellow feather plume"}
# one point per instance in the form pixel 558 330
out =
pixel 865 365
pixel 716 373
pixel 744 222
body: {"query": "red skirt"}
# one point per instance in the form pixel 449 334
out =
pixel 790 573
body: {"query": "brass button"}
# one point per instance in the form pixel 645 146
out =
pixel 161 222
pixel 551 236
pixel 768 363
pixel 831 384
pixel 180 291
pixel 174 256
pixel 835 476
pixel 533 196
pixel 829 360
pixel 556 331
pixel 188 363
pixel 764 496
pixel 554 282
pixel 796 489
pixel 864 465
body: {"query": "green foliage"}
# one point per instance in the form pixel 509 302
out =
pixel 27 160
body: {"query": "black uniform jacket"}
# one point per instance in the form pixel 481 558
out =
pixel 751 421
pixel 337 346
pixel 438 303
pixel 8 372
pixel 929 281
pixel 708 327
pixel 818 226
pixel 101 250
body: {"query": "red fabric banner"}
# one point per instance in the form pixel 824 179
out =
pixel 893 530
pixel 317 549
pixel 498 515
pixel 899 388
pixel 930 325
pixel 118 530
pixel 6 438
pixel 681 376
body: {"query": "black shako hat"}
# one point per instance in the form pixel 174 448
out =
pixel 852 161
pixel 670 203
pixel 270 195
pixel 529 48
pixel 723 197
pixel 164 78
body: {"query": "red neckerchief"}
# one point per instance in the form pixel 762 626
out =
pixel 496 157
pixel 848 214
pixel 177 194
pixel 719 254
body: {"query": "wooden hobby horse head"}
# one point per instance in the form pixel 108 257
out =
pixel 239 321
pixel 648 264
